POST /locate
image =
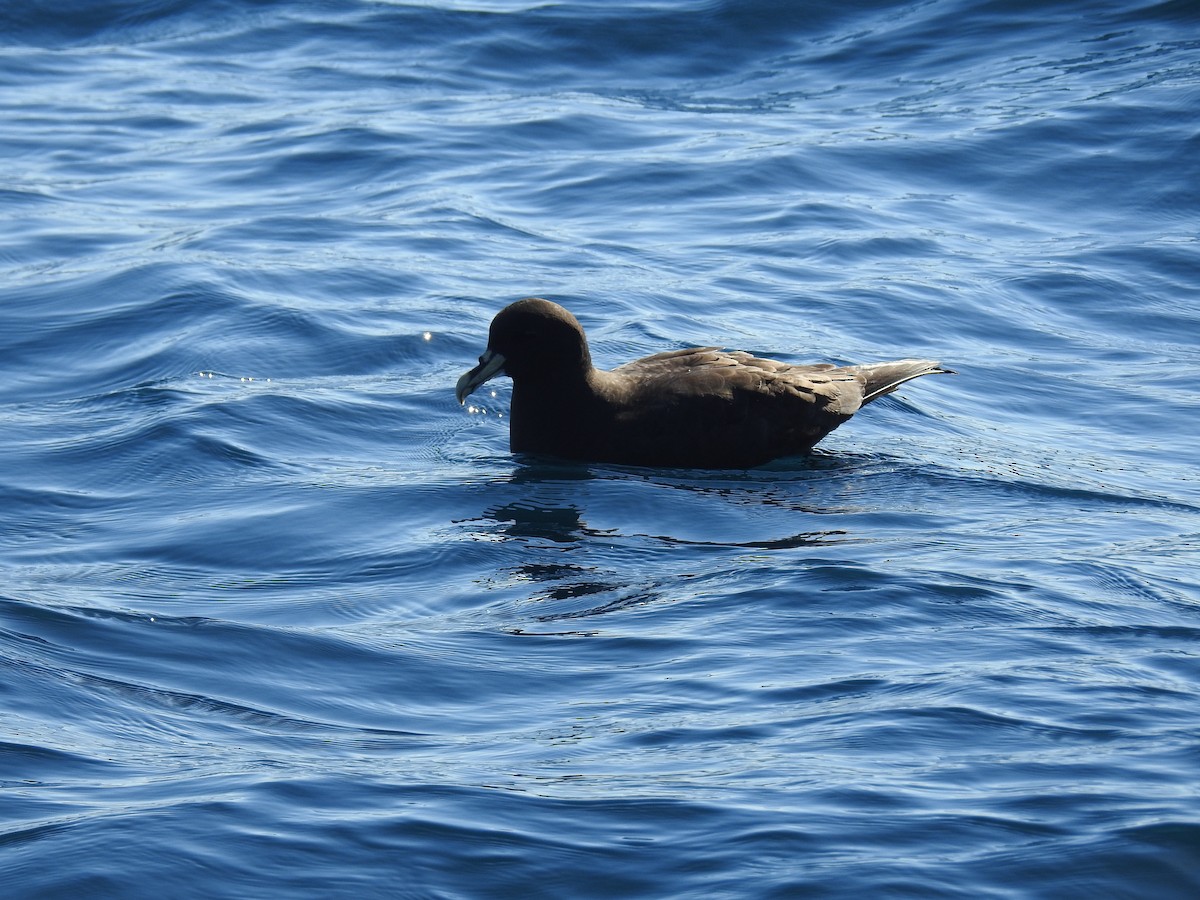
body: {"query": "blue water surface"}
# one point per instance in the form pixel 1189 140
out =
pixel 280 619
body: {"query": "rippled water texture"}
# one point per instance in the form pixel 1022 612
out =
pixel 280 619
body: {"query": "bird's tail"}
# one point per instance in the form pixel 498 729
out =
pixel 883 378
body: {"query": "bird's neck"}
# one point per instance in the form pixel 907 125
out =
pixel 554 415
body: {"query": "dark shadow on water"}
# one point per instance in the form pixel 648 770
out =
pixel 560 524
pixel 551 509
pixel 540 515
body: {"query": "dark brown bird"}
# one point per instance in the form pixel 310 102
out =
pixel 698 408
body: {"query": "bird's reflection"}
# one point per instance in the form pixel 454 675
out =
pixel 586 571
pixel 560 524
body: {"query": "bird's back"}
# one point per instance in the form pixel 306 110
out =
pixel 710 408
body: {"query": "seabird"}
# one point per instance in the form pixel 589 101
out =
pixel 697 408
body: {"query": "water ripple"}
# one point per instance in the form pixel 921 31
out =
pixel 280 614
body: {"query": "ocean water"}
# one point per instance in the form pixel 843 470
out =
pixel 279 618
